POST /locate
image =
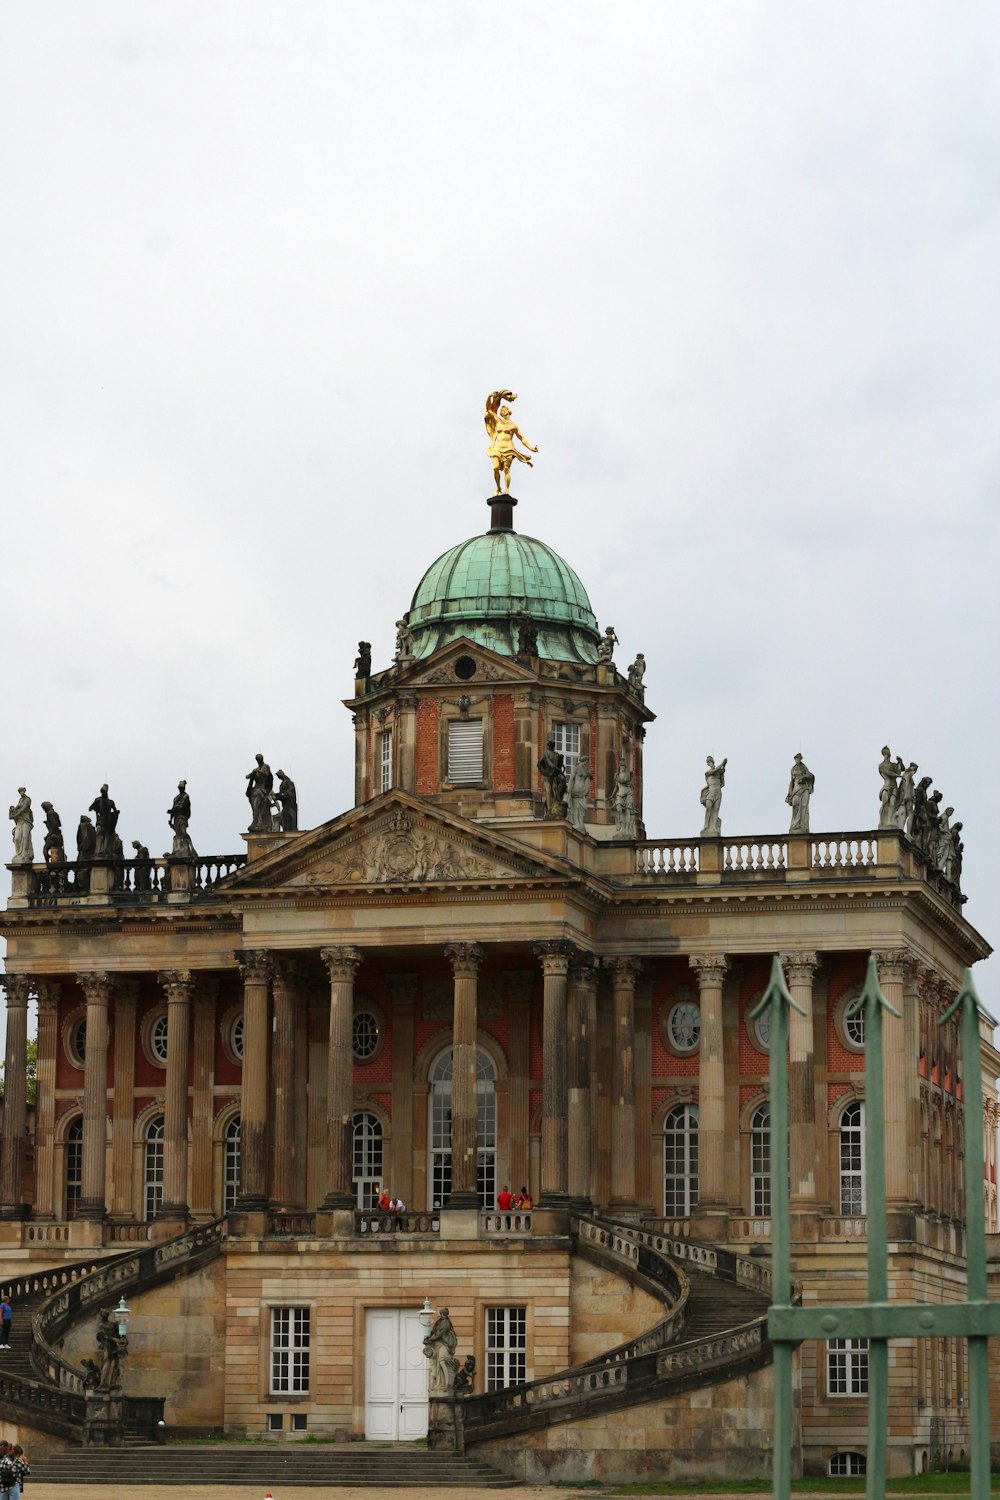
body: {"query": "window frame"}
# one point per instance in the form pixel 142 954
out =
pixel 153 1163
pixel 455 727
pixel 367 1182
pixel 561 731
pixel 687 1179
pixel 851 1139
pixel 505 1356
pixel 288 1363
pixel 760 1161
pixel 232 1162
pixel 847 1365
pixel 386 760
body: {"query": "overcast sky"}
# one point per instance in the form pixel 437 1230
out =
pixel 262 263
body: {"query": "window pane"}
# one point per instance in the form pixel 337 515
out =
pixel 567 740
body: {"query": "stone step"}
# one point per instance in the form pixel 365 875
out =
pixel 385 1465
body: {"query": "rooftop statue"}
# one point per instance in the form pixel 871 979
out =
pixel 106 817
pixel 55 848
pixel 800 789
pixel 623 798
pixel 23 820
pixel 553 771
pixel 178 816
pixel 286 804
pixel 606 648
pixel 503 430
pixel 711 797
pixel 260 784
pixel 86 838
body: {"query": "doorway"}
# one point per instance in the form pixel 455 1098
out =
pixel 395 1375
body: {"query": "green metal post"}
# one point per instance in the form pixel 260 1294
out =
pixel 967 1003
pixel 777 999
pixel 871 1002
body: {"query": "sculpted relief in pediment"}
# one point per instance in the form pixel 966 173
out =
pixel 399 853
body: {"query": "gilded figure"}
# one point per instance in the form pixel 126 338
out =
pixel 503 430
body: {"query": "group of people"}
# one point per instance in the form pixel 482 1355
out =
pixel 13 1469
pixel 388 1204
pixel 506 1200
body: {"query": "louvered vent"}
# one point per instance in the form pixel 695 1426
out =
pixel 465 750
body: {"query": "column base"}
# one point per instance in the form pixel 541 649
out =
pixel 627 1212
pixel 14 1211
pixel 554 1199
pixel 250 1203
pixel 92 1210
pixel 463 1198
pixel 173 1213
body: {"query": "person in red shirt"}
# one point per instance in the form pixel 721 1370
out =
pixel 383 1200
pixel 504 1199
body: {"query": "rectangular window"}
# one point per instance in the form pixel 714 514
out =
pixel 385 761
pixel 506 1347
pixel 465 750
pixel 289 1350
pixel 847 1367
pixel 275 1421
pixel 567 738
pixel 300 1421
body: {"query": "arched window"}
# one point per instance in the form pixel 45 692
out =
pixel 152 1168
pixel 440 1128
pixel 367 1159
pixel 74 1166
pixel 760 1160
pixel 852 1159
pixel 680 1160
pixel 232 1163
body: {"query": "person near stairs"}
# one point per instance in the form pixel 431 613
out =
pixel 13 1468
pixel 6 1317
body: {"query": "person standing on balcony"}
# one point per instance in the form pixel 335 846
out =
pixel 6 1318
pixel 504 1200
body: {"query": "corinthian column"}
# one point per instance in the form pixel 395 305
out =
pixel 623 976
pixel 711 971
pixel 555 958
pixel 342 965
pixel 255 967
pixel 48 992
pixel 465 961
pixel 288 981
pixel 179 987
pixel 802 1145
pixel 900 1080
pixel 15 1108
pixel 582 1005
pixel 97 990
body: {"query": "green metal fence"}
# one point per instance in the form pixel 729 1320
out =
pixel 879 1319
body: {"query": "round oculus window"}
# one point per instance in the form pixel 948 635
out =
pixel 236 1037
pixel 78 1042
pixel 158 1039
pixel 365 1035
pixel 465 668
pixel 684 1026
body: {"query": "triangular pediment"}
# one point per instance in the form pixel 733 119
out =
pixel 490 666
pixel 396 841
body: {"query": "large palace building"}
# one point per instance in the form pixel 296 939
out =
pixel 483 976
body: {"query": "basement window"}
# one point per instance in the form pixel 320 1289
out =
pixel 275 1421
pixel 300 1422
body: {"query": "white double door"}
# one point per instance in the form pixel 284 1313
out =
pixel 395 1375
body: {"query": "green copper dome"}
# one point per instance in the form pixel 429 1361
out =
pixel 488 587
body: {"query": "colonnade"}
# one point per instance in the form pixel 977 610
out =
pixel 574 1121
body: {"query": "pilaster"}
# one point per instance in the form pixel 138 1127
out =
pixel 403 990
pixel 342 965
pixel 15 1106
pixel 582 1042
pixel 644 1089
pixel 465 961
pixel 623 976
pixel 123 1100
pixel 800 969
pixel 288 983
pixel 519 1113
pixel 256 967
pixel 97 992
pixel 896 971
pixel 179 987
pixel 206 994
pixel 49 992
pixel 711 970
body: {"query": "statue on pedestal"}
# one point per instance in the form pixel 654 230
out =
pixel 553 769
pixel 606 647
pixel 577 793
pixel 905 793
pixel 889 770
pixel 363 660
pixel 112 1347
pixel 800 789
pixel 527 638
pixel 286 803
pixel 636 673
pixel 920 814
pixel 55 848
pixel 23 820
pixel 945 852
pixel 502 430
pixel 86 838
pixel 106 817
pixel 260 784
pixel 404 641
pixel 711 797
pixel 623 798
pixel 439 1348
pixel 143 867
pixel 178 815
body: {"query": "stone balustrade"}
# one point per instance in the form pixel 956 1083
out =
pixel 842 1228
pixel 372 1221
pixel 126 882
pixel 750 1228
pixel 498 1223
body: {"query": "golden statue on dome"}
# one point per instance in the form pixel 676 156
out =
pixel 503 430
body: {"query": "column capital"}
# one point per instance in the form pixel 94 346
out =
pixel 178 984
pixel 255 964
pixel 48 992
pixel 290 974
pixel 17 987
pixel 554 955
pixel 583 968
pixel 896 964
pixel 465 959
pixel 342 962
pixel 624 970
pixel 709 967
pixel 96 987
pixel 799 968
